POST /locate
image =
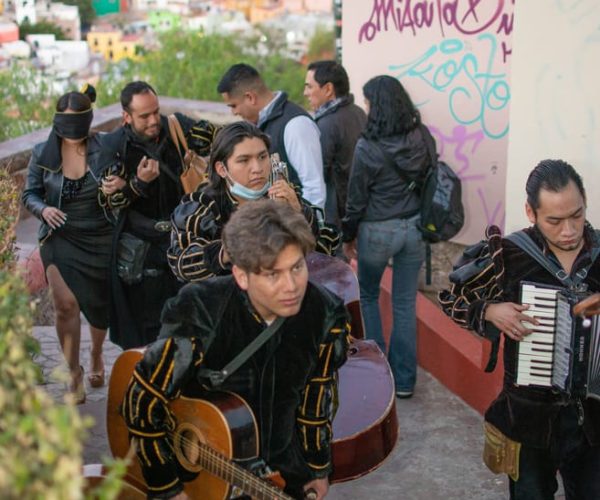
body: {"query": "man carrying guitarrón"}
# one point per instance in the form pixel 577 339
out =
pixel 290 382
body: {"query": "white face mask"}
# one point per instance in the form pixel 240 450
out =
pixel 244 192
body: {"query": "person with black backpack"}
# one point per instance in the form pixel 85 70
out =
pixel 383 208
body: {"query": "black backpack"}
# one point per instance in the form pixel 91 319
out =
pixel 440 193
pixel 442 212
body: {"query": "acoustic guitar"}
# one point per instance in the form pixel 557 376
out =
pixel 365 428
pixel 210 434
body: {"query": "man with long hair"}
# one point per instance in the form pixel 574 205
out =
pixel 239 173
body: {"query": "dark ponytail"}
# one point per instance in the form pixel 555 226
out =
pixel 77 101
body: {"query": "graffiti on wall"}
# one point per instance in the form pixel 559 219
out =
pixel 453 56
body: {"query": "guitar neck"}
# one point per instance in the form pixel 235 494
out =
pixel 237 476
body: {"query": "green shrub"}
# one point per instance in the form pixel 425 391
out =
pixel 40 440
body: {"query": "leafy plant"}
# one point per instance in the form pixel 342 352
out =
pixel 42 27
pixel 40 440
pixel 190 65
pixel 26 101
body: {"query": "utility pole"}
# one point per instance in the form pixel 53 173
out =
pixel 337 16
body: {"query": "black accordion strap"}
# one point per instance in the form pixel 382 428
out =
pixel 524 241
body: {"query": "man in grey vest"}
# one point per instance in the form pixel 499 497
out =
pixel 294 135
pixel 340 121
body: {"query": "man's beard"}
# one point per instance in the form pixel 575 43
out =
pixel 570 248
pixel 145 137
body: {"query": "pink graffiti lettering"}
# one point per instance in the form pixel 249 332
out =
pixel 467 17
pixel 452 147
pixel 493 215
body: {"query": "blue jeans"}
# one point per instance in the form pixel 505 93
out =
pixel 400 240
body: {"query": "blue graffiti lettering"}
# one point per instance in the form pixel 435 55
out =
pixel 474 91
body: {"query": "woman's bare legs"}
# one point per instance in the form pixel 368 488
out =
pixel 96 375
pixel 68 327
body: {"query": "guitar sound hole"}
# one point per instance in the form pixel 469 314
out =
pixel 188 445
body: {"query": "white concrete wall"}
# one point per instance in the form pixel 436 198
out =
pixel 555 105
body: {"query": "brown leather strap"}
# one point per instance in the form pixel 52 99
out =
pixel 173 125
pixel 179 131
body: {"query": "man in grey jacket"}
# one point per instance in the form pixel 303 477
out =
pixel 340 121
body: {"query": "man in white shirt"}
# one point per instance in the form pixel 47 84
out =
pixel 294 135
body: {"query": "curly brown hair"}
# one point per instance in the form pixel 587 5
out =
pixel 257 233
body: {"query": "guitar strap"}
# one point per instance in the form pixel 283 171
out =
pixel 217 377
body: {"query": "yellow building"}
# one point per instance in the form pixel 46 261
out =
pixel 113 45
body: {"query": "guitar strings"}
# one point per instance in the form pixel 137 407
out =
pixel 220 462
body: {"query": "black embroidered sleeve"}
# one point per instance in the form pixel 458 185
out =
pixel 134 188
pixel 196 250
pixel 315 416
pixel 475 284
pixel 158 378
pixel 201 136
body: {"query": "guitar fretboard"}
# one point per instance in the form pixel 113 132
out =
pixel 220 466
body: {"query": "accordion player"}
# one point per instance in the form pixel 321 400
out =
pixel 563 352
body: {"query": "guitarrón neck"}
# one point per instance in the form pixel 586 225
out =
pixel 237 476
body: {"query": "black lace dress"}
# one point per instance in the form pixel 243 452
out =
pixel 80 249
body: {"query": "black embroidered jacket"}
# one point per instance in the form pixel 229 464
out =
pixel 290 383
pixel 196 250
pixel 528 415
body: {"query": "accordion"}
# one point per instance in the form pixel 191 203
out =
pixel 561 353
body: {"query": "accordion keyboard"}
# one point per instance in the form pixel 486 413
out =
pixel 536 351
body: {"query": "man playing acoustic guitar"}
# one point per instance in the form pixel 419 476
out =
pixel 289 383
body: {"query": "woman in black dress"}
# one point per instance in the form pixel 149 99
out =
pixel 75 233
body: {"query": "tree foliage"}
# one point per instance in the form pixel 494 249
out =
pixel 187 65
pixel 321 45
pixel 42 27
pixel 190 65
pixel 26 101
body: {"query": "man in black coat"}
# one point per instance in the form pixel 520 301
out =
pixel 289 383
pixel 340 121
pixel 533 429
pixel 144 192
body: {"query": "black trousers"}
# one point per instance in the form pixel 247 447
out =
pixel 570 454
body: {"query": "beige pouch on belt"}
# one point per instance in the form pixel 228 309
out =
pixel 500 454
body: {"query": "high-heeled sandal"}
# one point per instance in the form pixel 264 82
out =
pixel 78 388
pixel 96 379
